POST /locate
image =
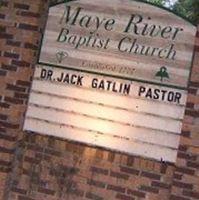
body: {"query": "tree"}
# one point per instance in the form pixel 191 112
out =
pixel 188 8
pixel 164 3
pixel 157 2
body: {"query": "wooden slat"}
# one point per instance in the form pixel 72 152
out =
pixel 100 111
pixel 68 89
pixel 109 142
pixel 123 104
pixel 103 126
pixel 118 33
pixel 184 50
pixel 110 7
pixel 178 77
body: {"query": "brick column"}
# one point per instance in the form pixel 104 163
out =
pixel 20 33
pixel 36 167
pixel 186 175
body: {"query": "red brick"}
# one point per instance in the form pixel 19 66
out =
pixel 191 194
pixel 93 196
pixel 9 125
pixel 21 6
pixel 15 88
pixel 149 189
pixel 2 28
pixel 193 164
pixel 6 36
pixel 186 156
pixel 19 190
pixel 185 133
pixel 130 160
pixel 111 156
pixel 119 175
pixel 3 73
pixel 28 27
pixel 194 84
pixel 182 148
pixel 5 169
pixel 24 198
pixel 124 197
pixel 13 43
pixel 7 137
pixel 13 100
pixel 28 45
pixel 52 152
pixel 192 91
pixel 185 170
pixel 192 113
pixel 5 163
pixel 29 14
pixel 160 185
pixel 163 168
pixel 31 160
pixel 3 130
pixel 9 67
pixel 176 197
pixel 11 55
pixel 183 185
pixel 46 191
pixel 3 117
pixel 190 105
pixel 20 63
pixel 6 150
pixel 2 16
pixel 21 95
pixel 129 170
pixel 4 105
pixel 150 175
pixel 76 192
pixel 4 3
pixel 116 188
pixel 34 147
pixel 177 176
pixel 96 183
pixel 99 170
pixel 23 83
pixel 136 193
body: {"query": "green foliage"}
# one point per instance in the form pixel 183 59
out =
pixel 157 2
pixel 188 8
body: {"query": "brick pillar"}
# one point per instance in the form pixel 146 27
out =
pixel 35 167
pixel 186 175
pixel 20 33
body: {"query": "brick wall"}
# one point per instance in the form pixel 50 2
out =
pixel 20 24
pixel 186 174
pixel 35 167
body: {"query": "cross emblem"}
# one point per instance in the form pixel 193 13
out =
pixel 61 55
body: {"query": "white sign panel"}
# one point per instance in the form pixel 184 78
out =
pixel 130 40
pixel 113 75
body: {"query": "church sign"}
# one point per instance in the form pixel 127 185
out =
pixel 113 75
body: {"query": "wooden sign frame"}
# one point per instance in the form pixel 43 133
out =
pixel 91 96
